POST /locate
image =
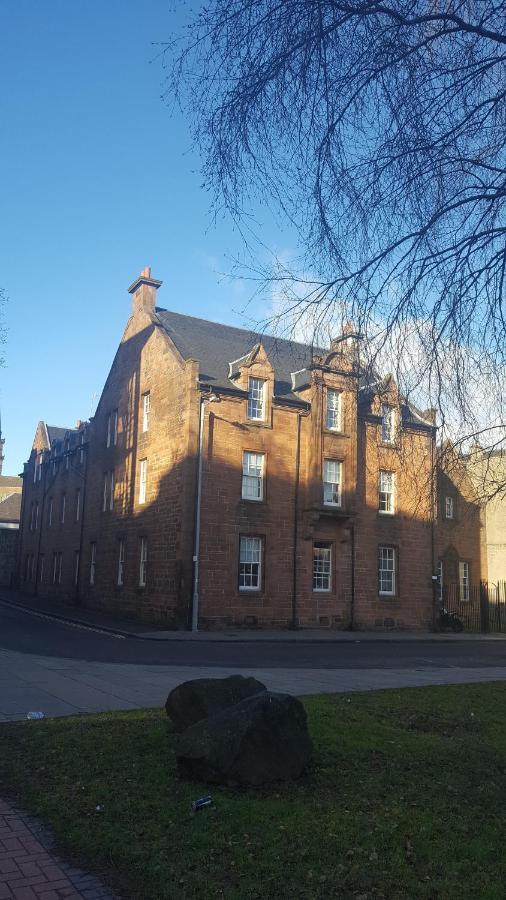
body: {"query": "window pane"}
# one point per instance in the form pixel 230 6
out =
pixel 386 570
pixel 321 567
pixel 387 425
pixel 250 559
pixel 143 480
pixel 145 411
pixel 256 398
pixel 464 580
pixel 333 410
pixel 332 482
pixel 252 479
pixel 386 492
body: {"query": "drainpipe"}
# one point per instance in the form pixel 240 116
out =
pixel 19 548
pixel 352 603
pixel 433 489
pixel 83 507
pixel 210 398
pixel 41 528
pixel 295 524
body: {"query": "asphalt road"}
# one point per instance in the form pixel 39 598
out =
pixel 24 633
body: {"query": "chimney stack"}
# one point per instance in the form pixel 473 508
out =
pixel 143 292
pixel 348 343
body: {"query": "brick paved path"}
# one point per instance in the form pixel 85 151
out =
pixel 30 871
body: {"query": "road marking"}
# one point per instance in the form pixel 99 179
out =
pixel 49 618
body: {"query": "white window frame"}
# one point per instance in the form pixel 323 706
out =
pixel 93 562
pixel 81 448
pixel 146 409
pixel 35 466
pixel 386 499
pixel 334 409
pixel 115 427
pixel 111 489
pixel 322 567
pixel 121 562
pixel 252 487
pixel 250 562
pixel 78 504
pixel 67 453
pixel 55 565
pixel 108 438
pixel 76 568
pixel 36 525
pixel 449 507
pixel 388 424
pixel 105 491
pixel 256 399
pixel 464 593
pixel 332 488
pixel 143 479
pixel 39 468
pixel 387 563
pixel 32 510
pixel 63 506
pixel 143 562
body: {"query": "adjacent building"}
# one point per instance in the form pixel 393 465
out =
pixel 10 513
pixel 234 478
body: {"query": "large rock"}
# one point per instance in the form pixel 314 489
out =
pixel 263 738
pixel 195 700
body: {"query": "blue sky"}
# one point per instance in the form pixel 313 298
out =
pixel 96 181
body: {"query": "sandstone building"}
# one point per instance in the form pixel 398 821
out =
pixel 232 478
pixel 10 512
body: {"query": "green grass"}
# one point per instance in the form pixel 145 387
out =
pixel 406 799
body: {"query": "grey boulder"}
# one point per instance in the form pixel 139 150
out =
pixel 195 700
pixel 262 739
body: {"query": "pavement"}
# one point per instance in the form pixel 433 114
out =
pixel 127 628
pixel 29 869
pixel 60 667
pixel 62 661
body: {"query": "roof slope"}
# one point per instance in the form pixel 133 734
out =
pixel 55 433
pixel 215 346
pixel 10 508
pixel 10 481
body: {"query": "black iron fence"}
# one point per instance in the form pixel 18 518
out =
pixel 481 607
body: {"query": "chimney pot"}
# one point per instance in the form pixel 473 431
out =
pixel 143 291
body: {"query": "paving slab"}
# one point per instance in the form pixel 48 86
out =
pixel 31 870
pixel 99 687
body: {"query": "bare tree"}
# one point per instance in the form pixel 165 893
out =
pixel 3 299
pixel 377 127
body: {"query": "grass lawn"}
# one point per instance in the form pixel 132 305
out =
pixel 406 799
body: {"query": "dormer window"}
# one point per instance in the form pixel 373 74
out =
pixel 333 410
pixel 256 399
pixel 449 508
pixel 387 424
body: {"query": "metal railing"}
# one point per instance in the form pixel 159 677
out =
pixel 482 607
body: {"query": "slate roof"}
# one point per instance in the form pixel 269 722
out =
pixel 55 433
pixel 215 346
pixel 10 508
pixel 7 481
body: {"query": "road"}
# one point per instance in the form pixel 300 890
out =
pixel 63 669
